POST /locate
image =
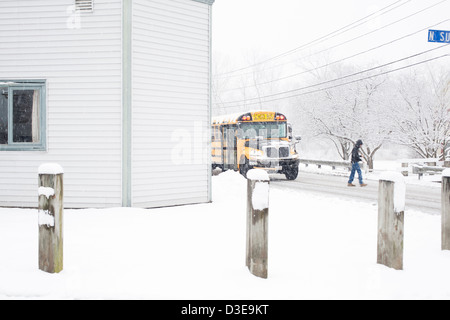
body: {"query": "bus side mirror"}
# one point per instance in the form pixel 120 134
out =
pixel 298 139
pixel 289 127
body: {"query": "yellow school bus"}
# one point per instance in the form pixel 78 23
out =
pixel 255 140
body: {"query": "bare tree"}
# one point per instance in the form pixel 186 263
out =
pixel 219 84
pixel 244 89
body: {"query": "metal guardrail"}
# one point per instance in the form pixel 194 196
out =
pixel 418 169
pixel 333 164
pixel 421 170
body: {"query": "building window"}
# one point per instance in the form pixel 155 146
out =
pixel 22 115
pixel 84 5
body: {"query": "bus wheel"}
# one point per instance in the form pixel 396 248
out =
pixel 244 167
pixel 291 172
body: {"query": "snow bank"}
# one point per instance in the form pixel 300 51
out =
pixel 258 174
pixel 50 168
pixel 399 189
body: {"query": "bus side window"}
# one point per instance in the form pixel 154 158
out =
pixel 224 133
pixel 218 134
pixel 214 135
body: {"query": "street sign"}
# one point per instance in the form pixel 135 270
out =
pixel 439 36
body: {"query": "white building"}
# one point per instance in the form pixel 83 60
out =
pixel 108 89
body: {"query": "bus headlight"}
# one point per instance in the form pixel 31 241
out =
pixel 256 153
pixel 293 151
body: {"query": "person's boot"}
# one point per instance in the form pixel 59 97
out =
pixel 363 184
pixel 351 185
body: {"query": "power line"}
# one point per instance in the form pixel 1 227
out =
pixel 340 78
pixel 337 61
pixel 342 84
pixel 328 36
pixel 342 43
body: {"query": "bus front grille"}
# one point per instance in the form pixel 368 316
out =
pixel 274 152
pixel 284 152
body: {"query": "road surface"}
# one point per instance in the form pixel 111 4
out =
pixel 423 198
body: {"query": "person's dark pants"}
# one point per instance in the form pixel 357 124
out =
pixel 356 168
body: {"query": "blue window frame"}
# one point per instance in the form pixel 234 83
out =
pixel 22 115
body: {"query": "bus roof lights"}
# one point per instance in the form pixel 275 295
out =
pixel 246 117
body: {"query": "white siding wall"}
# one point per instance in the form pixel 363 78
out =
pixel 83 72
pixel 170 102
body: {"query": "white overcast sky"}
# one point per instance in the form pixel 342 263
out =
pixel 266 28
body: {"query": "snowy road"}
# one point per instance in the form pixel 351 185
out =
pixel 423 198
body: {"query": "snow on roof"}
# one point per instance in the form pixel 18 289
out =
pixel 232 118
pixel 229 118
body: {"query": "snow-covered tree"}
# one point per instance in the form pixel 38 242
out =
pixel 350 112
pixel 422 112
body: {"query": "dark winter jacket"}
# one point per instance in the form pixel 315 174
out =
pixel 355 154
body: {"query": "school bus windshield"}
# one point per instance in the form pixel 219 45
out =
pixel 267 130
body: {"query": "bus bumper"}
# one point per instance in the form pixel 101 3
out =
pixel 274 165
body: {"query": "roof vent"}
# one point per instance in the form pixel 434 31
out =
pixel 84 5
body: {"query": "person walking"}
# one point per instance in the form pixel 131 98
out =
pixel 355 166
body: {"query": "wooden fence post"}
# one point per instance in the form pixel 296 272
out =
pixel 257 222
pixel 447 155
pixel 445 216
pixel 50 218
pixel 391 207
pixel 405 171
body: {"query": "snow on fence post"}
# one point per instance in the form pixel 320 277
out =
pixel 391 215
pixel 445 216
pixel 50 218
pixel 257 222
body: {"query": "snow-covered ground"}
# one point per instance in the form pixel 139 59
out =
pixel 319 248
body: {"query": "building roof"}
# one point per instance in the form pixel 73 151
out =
pixel 205 1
